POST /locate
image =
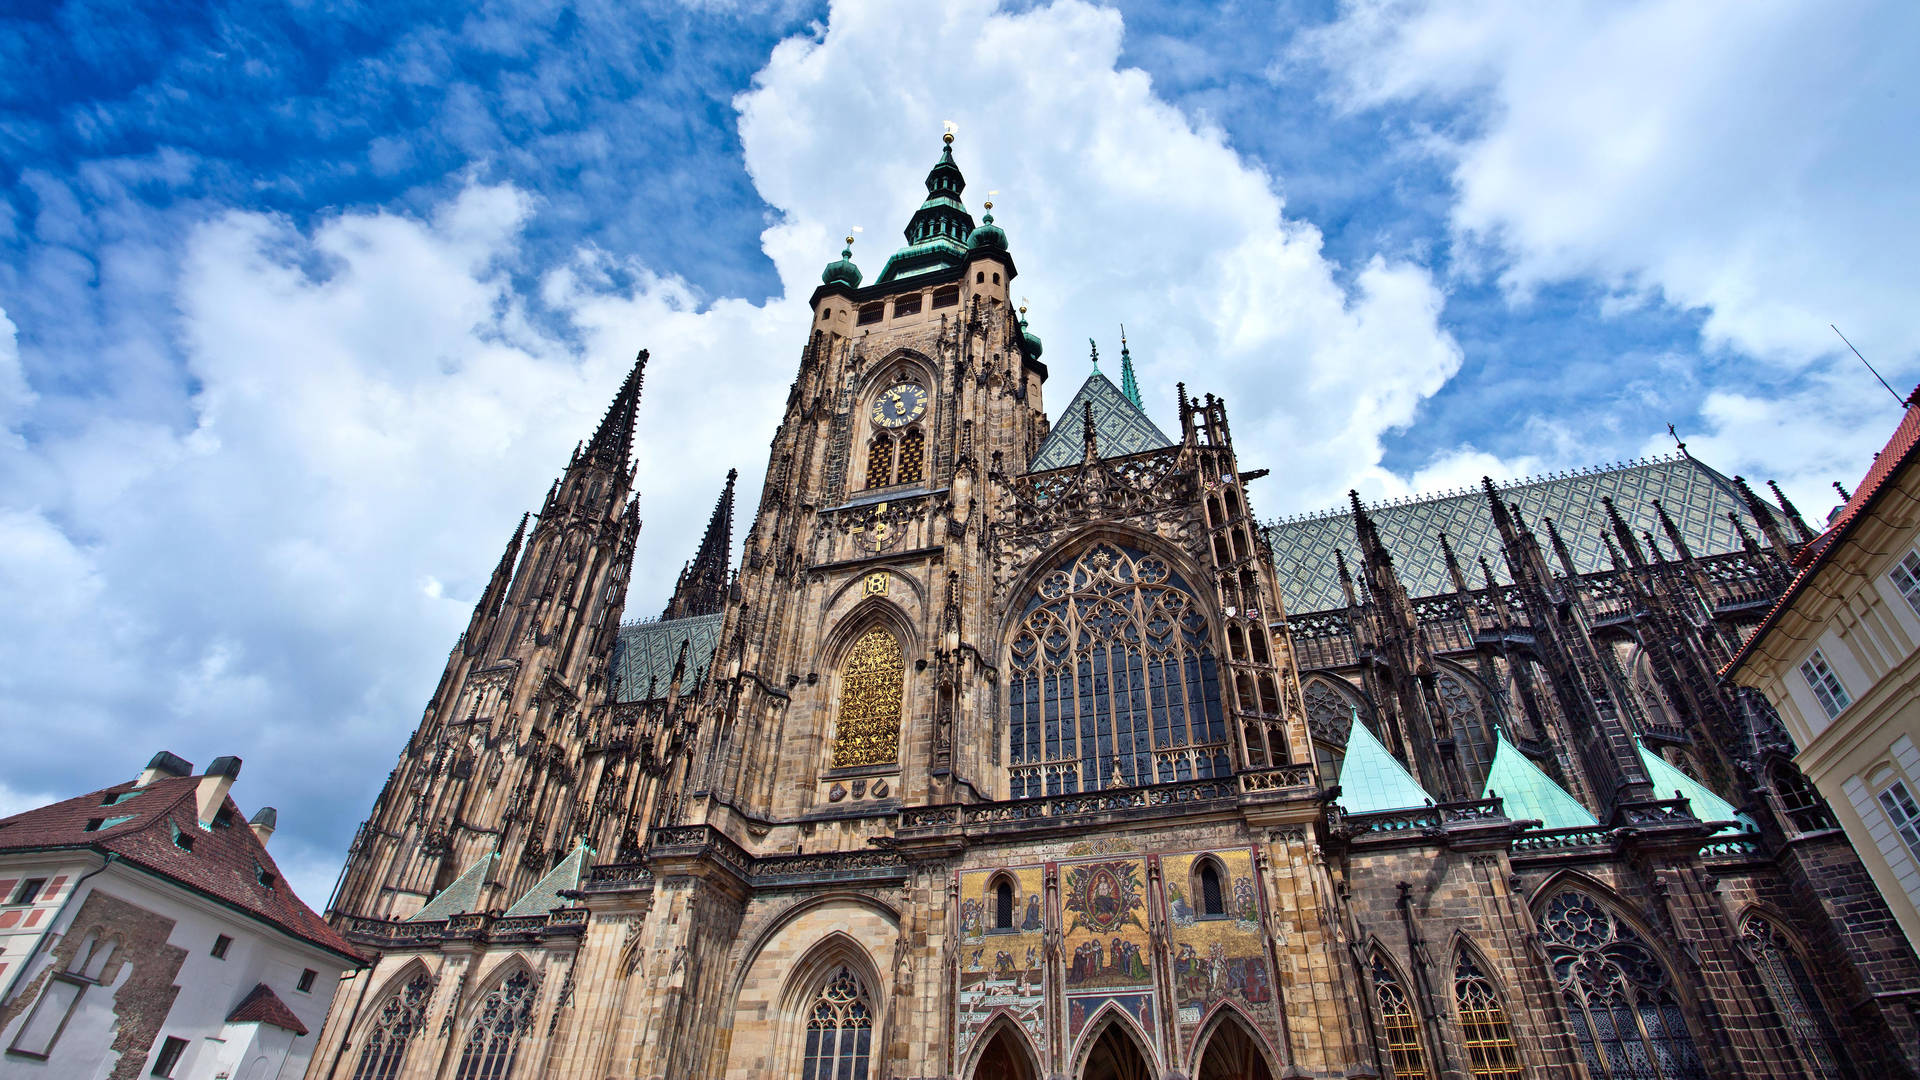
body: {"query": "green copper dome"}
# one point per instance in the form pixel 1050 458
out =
pixel 1032 339
pixel 841 271
pixel 988 236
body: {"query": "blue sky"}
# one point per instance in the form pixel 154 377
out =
pixel 305 302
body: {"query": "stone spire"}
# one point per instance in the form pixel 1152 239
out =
pixel 702 588
pixel 612 443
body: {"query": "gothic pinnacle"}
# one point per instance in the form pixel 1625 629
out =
pixel 1624 532
pixel 612 442
pixel 1128 384
pixel 1678 541
pixel 1793 512
pixel 702 587
pixel 1087 434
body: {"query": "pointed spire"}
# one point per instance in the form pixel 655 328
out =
pixel 1560 550
pixel 612 443
pixel 1453 564
pixel 1090 439
pixel 1346 576
pixel 702 588
pixel 1128 384
pixel 1624 532
pixel 1501 519
pixel 1793 512
pixel 1769 523
pixel 1680 546
pixel 1747 541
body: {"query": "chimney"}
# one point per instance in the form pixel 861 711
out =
pixel 164 763
pixel 262 824
pixel 212 792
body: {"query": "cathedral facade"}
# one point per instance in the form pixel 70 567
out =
pixel 1018 749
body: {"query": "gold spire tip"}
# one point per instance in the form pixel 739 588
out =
pixel 947 138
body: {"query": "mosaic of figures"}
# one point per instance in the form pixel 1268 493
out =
pixel 1105 944
pixel 1002 964
pixel 1218 945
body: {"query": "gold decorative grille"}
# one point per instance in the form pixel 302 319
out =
pixel 839 1031
pixel 1617 994
pixel 913 457
pixel 1114 680
pixel 1397 1023
pixel 1491 1054
pixel 867 730
pixel 880 461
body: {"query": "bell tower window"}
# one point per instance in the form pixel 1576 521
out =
pixel 880 460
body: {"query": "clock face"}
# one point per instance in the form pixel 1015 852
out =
pixel 900 405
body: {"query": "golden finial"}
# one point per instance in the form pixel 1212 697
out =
pixel 947 138
pixel 989 204
pixel 849 239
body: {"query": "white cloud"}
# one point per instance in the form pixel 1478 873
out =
pixel 1753 159
pixel 281 576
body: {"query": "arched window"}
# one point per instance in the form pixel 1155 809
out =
pixel 1804 807
pixel 1212 901
pixel 880 460
pixel 1794 996
pixel 1330 722
pixel 1003 905
pixel 384 1046
pixel 1617 994
pixel 494 1040
pixel 867 730
pixel 913 458
pixel 1469 732
pixel 839 1031
pixel 1114 681
pixel 1398 1027
pixel 1491 1054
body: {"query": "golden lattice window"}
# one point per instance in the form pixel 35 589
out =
pixel 1397 1023
pixel 880 461
pixel 867 730
pixel 1491 1054
pixel 913 458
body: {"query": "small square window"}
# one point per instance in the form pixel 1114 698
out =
pixel 907 305
pixel 306 981
pixel 168 1057
pixel 220 946
pixel 1825 684
pixel 29 890
pixel 264 876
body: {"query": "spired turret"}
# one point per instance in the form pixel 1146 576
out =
pixel 938 233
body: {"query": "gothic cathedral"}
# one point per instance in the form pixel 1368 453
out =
pixel 1022 749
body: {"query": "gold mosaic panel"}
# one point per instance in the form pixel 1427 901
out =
pixel 1222 957
pixel 1002 970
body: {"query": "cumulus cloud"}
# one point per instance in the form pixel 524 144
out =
pixel 371 397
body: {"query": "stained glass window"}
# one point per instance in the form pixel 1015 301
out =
pixel 1329 721
pixel 867 730
pixel 1618 995
pixel 1793 994
pixel 385 1045
pixel 1491 1054
pixel 494 1041
pixel 1114 682
pixel 839 1031
pixel 1469 734
pixel 1397 1023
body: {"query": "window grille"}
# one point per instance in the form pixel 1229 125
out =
pixel 946 296
pixel 1617 994
pixel 1003 905
pixel 913 458
pixel 880 460
pixel 872 313
pixel 493 1042
pixel 1826 685
pixel 839 1031
pixel 1794 996
pixel 1211 902
pixel 385 1045
pixel 867 729
pixel 907 305
pixel 1491 1053
pixel 1397 1023
pixel 1804 807
pixel 1114 681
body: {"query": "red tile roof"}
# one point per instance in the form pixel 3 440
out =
pixel 1901 449
pixel 226 862
pixel 263 1006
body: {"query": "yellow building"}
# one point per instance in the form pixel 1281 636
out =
pixel 1837 657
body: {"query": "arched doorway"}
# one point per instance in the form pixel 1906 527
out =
pixel 1114 1056
pixel 1231 1054
pixel 1003 1058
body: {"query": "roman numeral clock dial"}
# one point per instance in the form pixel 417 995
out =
pixel 900 405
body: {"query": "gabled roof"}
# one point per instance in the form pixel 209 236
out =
pixel 1901 449
pixel 1706 806
pixel 1372 780
pixel 1526 793
pixel 1697 497
pixel 227 864
pixel 263 1006
pixel 644 654
pixel 545 894
pixel 1119 427
pixel 460 897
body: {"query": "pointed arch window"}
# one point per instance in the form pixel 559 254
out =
pixel 384 1047
pixel 493 1043
pixel 1487 1034
pixel 1794 996
pixel 1398 1026
pixel 1114 679
pixel 912 468
pixel 1618 995
pixel 839 1030
pixel 1469 733
pixel 1330 722
pixel 867 729
pixel 1003 905
pixel 880 460
pixel 1212 902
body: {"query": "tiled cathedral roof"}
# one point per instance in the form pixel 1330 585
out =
pixel 460 897
pixel 545 894
pixel 1119 427
pixel 644 655
pixel 1695 496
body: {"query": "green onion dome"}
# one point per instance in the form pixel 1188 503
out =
pixel 841 271
pixel 1032 339
pixel 988 236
